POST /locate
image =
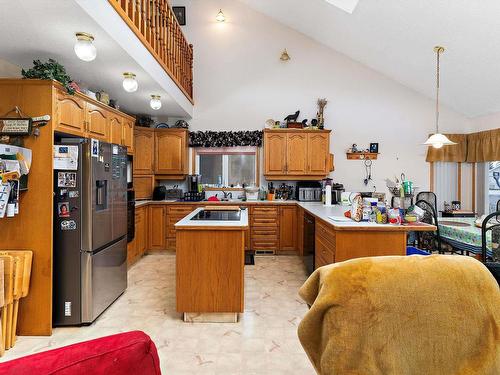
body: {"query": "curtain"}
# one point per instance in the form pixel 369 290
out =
pixel 483 146
pixel 454 153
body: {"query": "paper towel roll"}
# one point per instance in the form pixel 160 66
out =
pixel 328 195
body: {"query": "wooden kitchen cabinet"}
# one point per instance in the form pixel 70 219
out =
pixel 264 228
pixel 171 153
pixel 288 228
pixel 157 227
pixel 318 154
pixel 84 117
pixel 71 115
pixel 275 153
pixel 138 246
pixel 295 154
pixel 144 151
pixel 143 186
pixel 175 213
pixel 116 129
pixel 128 135
pixel 97 122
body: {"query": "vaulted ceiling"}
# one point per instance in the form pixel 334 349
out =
pixel 396 38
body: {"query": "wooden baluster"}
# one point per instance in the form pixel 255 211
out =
pixel 137 14
pixel 170 43
pixel 158 27
pixel 163 32
pixel 191 55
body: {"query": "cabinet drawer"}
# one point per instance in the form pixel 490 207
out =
pixel 265 211
pixel 324 251
pixel 264 244
pixel 265 231
pixel 325 232
pixel 264 221
pixel 180 209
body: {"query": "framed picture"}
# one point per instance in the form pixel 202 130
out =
pixel 15 126
pixel 180 14
pixel 374 148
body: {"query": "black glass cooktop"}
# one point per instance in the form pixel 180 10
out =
pixel 217 215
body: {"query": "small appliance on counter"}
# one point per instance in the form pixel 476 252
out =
pixel 194 185
pixel 160 193
pixel 308 191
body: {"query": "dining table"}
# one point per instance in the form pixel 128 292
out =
pixel 462 234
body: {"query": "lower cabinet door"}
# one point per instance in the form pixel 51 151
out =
pixel 157 227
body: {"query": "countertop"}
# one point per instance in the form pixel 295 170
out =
pixel 232 202
pixel 317 209
pixel 187 222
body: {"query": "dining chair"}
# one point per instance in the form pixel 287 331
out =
pixel 430 241
pixel 429 197
pixel 492 262
pixel 498 205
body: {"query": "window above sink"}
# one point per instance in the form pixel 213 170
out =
pixel 227 166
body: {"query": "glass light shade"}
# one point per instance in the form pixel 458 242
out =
pixel 438 140
pixel 129 82
pixel 84 47
pixel 155 102
pixel 220 16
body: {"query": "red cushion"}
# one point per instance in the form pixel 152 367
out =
pixel 124 353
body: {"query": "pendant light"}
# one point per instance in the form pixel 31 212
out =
pixel 220 16
pixel 285 56
pixel 84 46
pixel 438 140
pixel 129 82
pixel 155 102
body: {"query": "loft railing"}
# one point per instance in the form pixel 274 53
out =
pixel 154 23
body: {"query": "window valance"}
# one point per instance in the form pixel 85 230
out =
pixel 454 153
pixel 470 148
pixel 483 146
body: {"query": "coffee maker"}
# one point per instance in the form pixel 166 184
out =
pixel 193 180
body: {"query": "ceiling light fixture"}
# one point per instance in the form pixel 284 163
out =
pixel 129 82
pixel 438 140
pixel 285 56
pixel 155 102
pixel 84 46
pixel 220 16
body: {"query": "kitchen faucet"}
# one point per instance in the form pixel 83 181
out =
pixel 227 196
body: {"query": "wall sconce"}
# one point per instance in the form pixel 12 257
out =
pixel 285 56
pixel 220 16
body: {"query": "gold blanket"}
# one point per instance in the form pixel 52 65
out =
pixel 422 315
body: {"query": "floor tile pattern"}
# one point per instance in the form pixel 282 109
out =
pixel 264 341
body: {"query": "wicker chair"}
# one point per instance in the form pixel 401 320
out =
pixel 430 241
pixel 492 260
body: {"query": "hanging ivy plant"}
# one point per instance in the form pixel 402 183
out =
pixel 49 70
pixel 225 139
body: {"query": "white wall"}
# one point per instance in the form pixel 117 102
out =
pixel 486 122
pixel 239 82
pixel 9 70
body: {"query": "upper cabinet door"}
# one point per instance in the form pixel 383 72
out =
pixel 171 152
pixel 128 135
pixel 318 153
pixel 275 153
pixel 97 122
pixel 70 114
pixel 144 144
pixel 296 154
pixel 115 126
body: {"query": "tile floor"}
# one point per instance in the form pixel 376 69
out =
pixel 263 342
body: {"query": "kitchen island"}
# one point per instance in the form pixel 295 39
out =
pixel 210 260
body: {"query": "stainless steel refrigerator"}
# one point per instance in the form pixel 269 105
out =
pixel 90 229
